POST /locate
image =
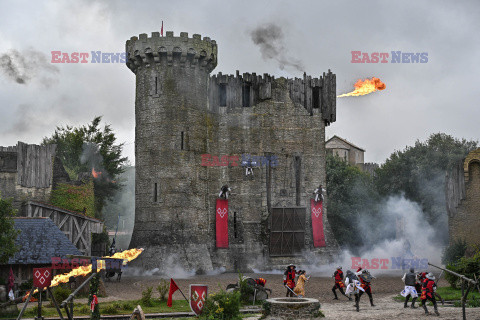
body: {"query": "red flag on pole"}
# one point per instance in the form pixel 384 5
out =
pixel 221 224
pixel 161 30
pixel 173 288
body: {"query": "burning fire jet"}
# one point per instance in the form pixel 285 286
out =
pixel 363 87
pixel 96 174
pixel 128 255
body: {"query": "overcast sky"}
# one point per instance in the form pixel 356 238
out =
pixel 420 99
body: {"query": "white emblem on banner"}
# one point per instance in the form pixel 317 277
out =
pixel 316 212
pixel 222 212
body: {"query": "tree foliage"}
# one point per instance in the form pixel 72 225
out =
pixel 88 147
pixel 419 172
pixel 8 233
pixel 351 198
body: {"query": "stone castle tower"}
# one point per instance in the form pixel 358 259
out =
pixel 185 119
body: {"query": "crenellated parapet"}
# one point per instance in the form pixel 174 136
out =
pixel 247 89
pixel 180 51
pixel 316 93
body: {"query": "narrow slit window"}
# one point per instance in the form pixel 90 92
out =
pixel 156 85
pixel 246 96
pixel 235 233
pixel 155 192
pixel 223 95
pixel 181 143
pixel 316 97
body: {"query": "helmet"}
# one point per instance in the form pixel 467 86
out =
pixel 339 267
pixel 412 270
pixel 261 281
pixel 430 276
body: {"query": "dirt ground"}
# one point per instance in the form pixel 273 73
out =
pixel 384 289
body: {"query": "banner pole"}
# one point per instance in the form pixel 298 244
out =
pixel 183 295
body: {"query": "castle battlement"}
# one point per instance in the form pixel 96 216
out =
pixel 180 51
pixel 311 93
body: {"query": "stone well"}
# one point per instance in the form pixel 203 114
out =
pixel 291 308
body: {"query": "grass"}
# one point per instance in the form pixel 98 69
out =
pixel 451 294
pixel 113 307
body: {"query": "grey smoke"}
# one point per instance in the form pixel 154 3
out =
pixel 417 231
pixel 121 209
pixel 92 157
pixel 270 39
pixel 22 67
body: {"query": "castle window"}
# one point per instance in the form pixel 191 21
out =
pixel 181 143
pixel 223 95
pixel 246 95
pixel 155 192
pixel 155 86
pixel 298 175
pixel 316 97
pixel 235 233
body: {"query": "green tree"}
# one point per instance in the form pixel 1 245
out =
pixel 88 147
pixel 419 173
pixel 352 199
pixel 8 233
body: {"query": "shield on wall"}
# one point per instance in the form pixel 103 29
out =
pixel 198 295
pixel 42 277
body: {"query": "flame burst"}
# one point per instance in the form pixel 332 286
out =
pixel 96 174
pixel 363 87
pixel 128 255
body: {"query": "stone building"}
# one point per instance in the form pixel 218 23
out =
pixel 462 192
pixel 195 132
pixel 346 150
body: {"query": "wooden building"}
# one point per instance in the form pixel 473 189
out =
pixel 38 242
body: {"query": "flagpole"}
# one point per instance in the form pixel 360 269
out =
pixel 183 295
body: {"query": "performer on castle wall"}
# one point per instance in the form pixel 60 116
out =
pixel 319 193
pixel 410 280
pixel 338 276
pixel 289 279
pixel 224 192
pixel 428 293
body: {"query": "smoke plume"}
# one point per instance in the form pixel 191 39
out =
pixel 22 67
pixel 414 242
pixel 270 39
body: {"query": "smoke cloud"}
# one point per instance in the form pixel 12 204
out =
pixel 270 39
pixel 22 67
pixel 121 210
pixel 413 244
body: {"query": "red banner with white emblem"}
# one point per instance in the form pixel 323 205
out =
pixel 317 223
pixel 42 277
pixel 198 295
pixel 221 216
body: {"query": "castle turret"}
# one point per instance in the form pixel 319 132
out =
pixel 172 77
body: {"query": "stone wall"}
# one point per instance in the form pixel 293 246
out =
pixel 463 200
pixel 182 114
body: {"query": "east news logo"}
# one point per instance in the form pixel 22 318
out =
pixel 395 57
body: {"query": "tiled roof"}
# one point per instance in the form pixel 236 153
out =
pixel 347 142
pixel 39 240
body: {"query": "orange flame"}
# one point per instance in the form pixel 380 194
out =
pixel 363 87
pixel 128 255
pixel 96 174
